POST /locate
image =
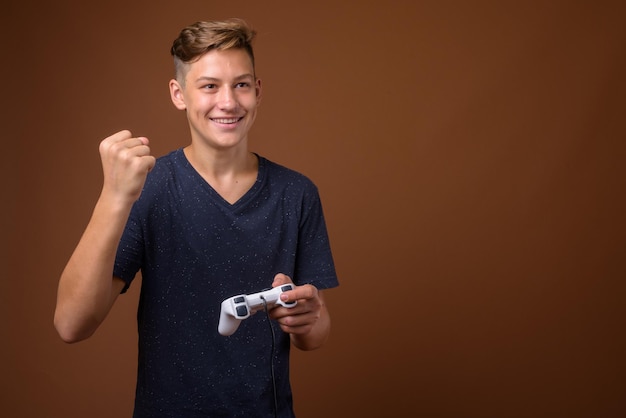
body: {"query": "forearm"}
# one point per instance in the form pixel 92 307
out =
pixel 86 289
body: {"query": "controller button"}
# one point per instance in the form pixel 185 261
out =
pixel 239 299
pixel 242 310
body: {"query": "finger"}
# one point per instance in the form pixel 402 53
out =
pixel 126 149
pixel 126 137
pixel 280 279
pixel 119 136
pixel 134 142
pixel 298 323
pixel 148 162
pixel 138 150
pixel 306 291
pixel 118 142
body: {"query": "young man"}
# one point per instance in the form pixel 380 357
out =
pixel 202 224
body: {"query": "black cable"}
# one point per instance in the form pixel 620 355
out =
pixel 269 321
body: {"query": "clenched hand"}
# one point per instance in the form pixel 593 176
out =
pixel 126 161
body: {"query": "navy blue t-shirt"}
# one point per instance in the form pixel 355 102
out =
pixel 194 249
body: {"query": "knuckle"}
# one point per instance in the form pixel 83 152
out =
pixel 311 291
pixel 105 144
pixel 124 155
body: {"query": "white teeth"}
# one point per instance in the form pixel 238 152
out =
pixel 226 120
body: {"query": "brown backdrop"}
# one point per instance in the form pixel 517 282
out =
pixel 471 159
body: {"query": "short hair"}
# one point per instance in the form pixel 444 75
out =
pixel 201 37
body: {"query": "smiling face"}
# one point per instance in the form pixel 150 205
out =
pixel 220 94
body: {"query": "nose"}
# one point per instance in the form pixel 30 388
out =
pixel 227 99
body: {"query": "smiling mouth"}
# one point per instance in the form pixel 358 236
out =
pixel 227 121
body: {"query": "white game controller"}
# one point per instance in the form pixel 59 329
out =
pixel 237 308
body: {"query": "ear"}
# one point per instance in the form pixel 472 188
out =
pixel 176 94
pixel 258 90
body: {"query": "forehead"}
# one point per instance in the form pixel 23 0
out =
pixel 222 64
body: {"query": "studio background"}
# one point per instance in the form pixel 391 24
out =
pixel 471 162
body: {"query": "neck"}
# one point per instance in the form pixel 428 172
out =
pixel 230 174
pixel 221 163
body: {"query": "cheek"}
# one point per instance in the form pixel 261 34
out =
pixel 200 104
pixel 251 105
pixel 252 114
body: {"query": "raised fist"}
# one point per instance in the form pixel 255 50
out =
pixel 126 161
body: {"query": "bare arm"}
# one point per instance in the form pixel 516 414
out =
pixel 87 289
pixel 308 323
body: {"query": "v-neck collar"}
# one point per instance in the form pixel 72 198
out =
pixel 243 200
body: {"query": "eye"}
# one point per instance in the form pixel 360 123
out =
pixel 242 84
pixel 209 86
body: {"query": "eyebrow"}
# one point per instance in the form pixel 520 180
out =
pixel 238 78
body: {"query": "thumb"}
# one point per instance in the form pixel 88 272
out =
pixel 281 278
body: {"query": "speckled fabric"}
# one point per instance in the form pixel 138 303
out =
pixel 194 249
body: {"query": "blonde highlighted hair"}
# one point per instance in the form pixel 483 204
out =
pixel 201 37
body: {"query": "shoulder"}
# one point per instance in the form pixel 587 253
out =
pixel 166 175
pixel 286 177
pixel 167 163
pixel 168 167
